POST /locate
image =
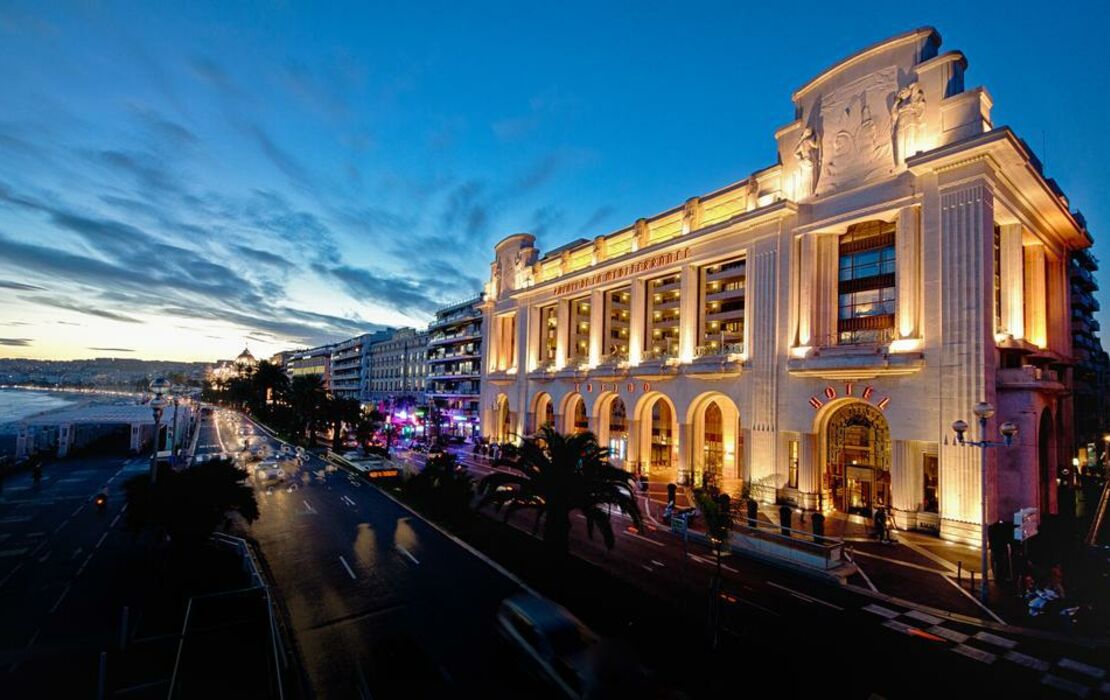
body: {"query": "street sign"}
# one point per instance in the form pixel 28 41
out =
pixel 1026 521
pixel 678 524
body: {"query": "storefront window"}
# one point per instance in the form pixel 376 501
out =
pixel 792 465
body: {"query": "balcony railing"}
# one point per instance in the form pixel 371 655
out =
pixel 719 350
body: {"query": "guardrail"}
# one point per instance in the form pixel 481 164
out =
pixel 825 552
pixel 258 584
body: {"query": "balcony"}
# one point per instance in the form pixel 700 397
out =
pixel 456 338
pixel 455 320
pixel 1028 377
pixel 455 356
pixel 716 360
pixel 828 360
pixel 1083 277
pixel 724 294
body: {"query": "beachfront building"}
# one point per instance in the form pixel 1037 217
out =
pixel 311 362
pixel 350 364
pixel 454 357
pixel 397 369
pixel 809 333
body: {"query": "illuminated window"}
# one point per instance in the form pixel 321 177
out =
pixel 663 316
pixel 549 333
pixel 617 306
pixel 866 284
pixel 579 347
pixel 722 307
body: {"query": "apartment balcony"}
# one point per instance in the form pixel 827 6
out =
pixel 729 274
pixel 669 287
pixel 454 357
pixel 458 338
pixel 1028 377
pixel 723 316
pixel 666 304
pixel 1083 277
pixel 724 294
pixel 470 374
pixel 455 321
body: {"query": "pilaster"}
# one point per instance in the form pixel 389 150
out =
pixel 1036 292
pixel 637 310
pixel 688 313
pixel 907 245
pixel 1011 271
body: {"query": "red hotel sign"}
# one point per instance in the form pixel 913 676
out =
pixel 622 271
pixel 849 391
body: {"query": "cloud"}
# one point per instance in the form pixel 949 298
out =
pixel 16 342
pixel 6 284
pixel 111 349
pixel 254 255
pixel 596 219
pixel 71 305
pixel 284 161
pixel 213 74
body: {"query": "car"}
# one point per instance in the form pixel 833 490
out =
pixel 435 452
pixel 552 641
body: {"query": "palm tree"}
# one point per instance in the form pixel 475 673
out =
pixel 339 411
pixel 556 474
pixel 270 383
pixel 306 397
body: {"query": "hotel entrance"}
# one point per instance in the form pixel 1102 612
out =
pixel 857 466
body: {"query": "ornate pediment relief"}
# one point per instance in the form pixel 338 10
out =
pixel 854 121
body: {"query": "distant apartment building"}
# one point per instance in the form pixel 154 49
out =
pixel 454 365
pixel 313 361
pixel 350 364
pixel 397 367
pixel 1092 365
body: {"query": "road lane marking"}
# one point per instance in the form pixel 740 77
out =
pixel 983 657
pixel 115 520
pixel 101 540
pixel 1065 685
pixel 1027 661
pixel 973 599
pixel 995 640
pixel 648 568
pixel 34 636
pixel 408 554
pixel 308 508
pixel 645 539
pixel 347 567
pixel 13 552
pixel 950 635
pixel 924 617
pixel 347 499
pixel 658 563
pixel 878 610
pixel 1085 669
pixel 60 598
pixel 11 573
pixel 75 512
pixel 808 598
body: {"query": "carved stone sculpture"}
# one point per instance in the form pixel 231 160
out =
pixel 807 152
pixel 907 119
pixel 753 193
pixel 642 235
pixel 691 215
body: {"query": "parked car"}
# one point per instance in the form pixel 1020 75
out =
pixel 552 641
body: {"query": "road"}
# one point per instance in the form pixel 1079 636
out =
pixel 60 601
pixel 760 599
pixel 380 602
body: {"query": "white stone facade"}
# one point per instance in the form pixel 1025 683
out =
pixel 809 333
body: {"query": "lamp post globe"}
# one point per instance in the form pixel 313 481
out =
pixel 160 386
pixel 157 405
pixel 1009 431
pixel 959 427
pixel 983 410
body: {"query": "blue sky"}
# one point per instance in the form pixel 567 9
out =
pixel 177 180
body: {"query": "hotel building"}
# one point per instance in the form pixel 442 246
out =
pixel 397 367
pixel 809 333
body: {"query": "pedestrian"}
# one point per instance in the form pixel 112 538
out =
pixel 880 524
pixel 891 526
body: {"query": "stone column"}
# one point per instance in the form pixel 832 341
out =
pixel 637 309
pixel 905 481
pixel 562 328
pixel 597 327
pixel 688 312
pixel 967 352
pixel 1036 292
pixel 1012 272
pixel 1058 305
pixel 65 439
pixel 535 333
pixel 633 457
pixel 680 453
pixel 827 297
pixel 809 465
pixel 907 247
pixel 807 289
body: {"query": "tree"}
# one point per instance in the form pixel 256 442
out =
pixel 718 523
pixel 270 382
pixel 442 488
pixel 189 505
pixel 340 411
pixel 306 397
pixel 557 474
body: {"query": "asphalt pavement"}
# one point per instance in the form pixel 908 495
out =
pixel 380 602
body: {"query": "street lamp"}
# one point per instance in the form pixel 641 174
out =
pixel 157 404
pixel 983 412
pixel 177 390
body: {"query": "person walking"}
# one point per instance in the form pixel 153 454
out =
pixel 880 523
